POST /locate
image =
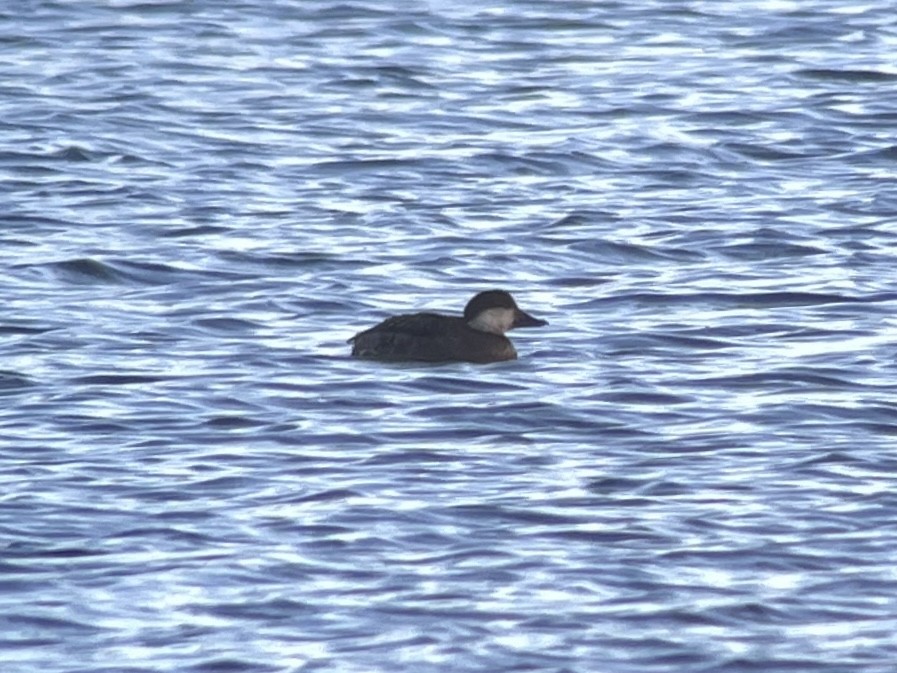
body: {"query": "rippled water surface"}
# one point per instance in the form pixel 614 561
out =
pixel 691 469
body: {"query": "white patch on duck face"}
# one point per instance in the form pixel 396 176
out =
pixel 494 320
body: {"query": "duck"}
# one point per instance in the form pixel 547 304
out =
pixel 477 336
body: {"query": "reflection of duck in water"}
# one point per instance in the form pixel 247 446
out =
pixel 477 337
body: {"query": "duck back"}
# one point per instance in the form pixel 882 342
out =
pixel 430 337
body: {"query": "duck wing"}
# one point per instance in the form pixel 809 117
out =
pixel 421 336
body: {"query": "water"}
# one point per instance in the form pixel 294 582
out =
pixel 691 469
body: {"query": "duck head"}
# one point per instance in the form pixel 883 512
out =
pixel 496 311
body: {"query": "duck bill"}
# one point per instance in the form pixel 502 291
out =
pixel 524 319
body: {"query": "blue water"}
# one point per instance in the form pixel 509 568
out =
pixel 692 469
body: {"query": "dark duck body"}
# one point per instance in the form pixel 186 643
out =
pixel 478 336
